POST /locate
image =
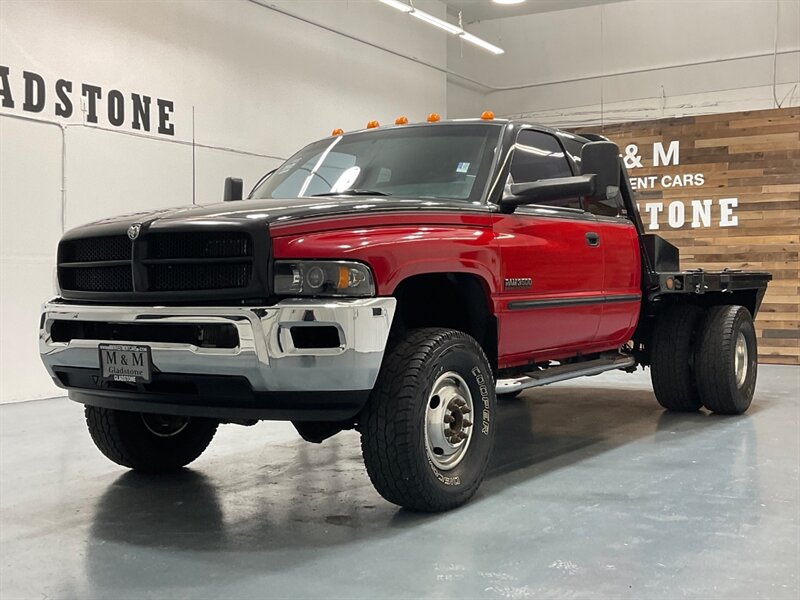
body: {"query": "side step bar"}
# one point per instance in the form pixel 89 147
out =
pixel 562 373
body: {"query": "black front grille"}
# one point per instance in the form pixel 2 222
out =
pixel 167 262
pixel 112 247
pixel 199 245
pixel 198 276
pixel 96 279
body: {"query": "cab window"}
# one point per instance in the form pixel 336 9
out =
pixel 539 155
pixel 612 207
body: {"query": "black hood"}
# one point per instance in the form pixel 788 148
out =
pixel 249 212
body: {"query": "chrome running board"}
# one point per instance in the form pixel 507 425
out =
pixel 562 373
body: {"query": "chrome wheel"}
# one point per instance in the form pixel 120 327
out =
pixel 165 425
pixel 448 421
pixel 740 360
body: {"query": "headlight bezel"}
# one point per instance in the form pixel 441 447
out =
pixel 290 278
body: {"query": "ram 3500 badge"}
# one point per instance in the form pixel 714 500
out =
pixel 395 280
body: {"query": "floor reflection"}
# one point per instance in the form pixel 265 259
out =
pixel 284 505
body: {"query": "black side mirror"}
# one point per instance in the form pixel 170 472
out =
pixel 233 189
pixel 547 189
pixel 601 159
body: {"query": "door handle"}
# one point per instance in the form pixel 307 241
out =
pixel 592 238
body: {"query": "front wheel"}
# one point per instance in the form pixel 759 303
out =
pixel 148 442
pixel 427 431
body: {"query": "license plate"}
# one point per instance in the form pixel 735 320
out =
pixel 123 362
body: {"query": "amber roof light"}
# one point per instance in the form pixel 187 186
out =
pixel 373 125
pixel 401 121
pixel 337 131
pixel 487 115
pixel 434 117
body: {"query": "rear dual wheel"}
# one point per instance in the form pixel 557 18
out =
pixel 727 360
pixel 704 358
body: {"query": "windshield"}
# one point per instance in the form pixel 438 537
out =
pixel 448 161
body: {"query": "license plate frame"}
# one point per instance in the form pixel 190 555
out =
pixel 126 363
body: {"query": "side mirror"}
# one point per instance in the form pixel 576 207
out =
pixel 601 159
pixel 233 189
pixel 547 189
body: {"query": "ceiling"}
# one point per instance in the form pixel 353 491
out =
pixel 483 10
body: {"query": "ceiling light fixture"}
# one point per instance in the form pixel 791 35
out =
pixel 436 22
pixel 474 39
pixel 508 1
pixel 401 6
pixel 444 25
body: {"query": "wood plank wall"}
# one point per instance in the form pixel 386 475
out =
pixel 753 157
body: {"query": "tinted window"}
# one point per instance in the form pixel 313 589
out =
pixel 573 147
pixel 606 208
pixel 539 156
pixel 427 162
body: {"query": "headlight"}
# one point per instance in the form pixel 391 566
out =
pixel 322 278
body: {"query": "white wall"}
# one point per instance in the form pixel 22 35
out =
pixel 262 84
pixel 571 58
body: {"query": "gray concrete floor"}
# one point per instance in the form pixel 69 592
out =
pixel 593 492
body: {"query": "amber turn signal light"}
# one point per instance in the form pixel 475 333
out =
pixel 344 278
pixel 373 125
pixel 434 117
pixel 487 115
pixel 337 131
pixel 401 121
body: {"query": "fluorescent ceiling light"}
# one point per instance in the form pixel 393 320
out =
pixel 436 22
pixel 508 1
pixel 474 39
pixel 401 6
pixel 441 24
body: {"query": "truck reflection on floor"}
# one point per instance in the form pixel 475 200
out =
pixel 581 465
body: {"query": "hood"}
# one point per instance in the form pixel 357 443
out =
pixel 248 212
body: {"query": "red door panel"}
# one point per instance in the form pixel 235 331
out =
pixel 622 283
pixel 566 272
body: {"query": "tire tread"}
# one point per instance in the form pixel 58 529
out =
pixel 117 435
pixel 387 422
pixel 671 368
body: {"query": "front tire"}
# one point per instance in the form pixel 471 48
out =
pixel 427 431
pixel 727 360
pixel 147 442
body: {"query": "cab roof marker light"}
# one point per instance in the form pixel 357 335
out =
pixel 401 6
pixel 474 39
pixel 401 121
pixel 337 131
pixel 373 125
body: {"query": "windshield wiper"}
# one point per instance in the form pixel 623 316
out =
pixel 352 192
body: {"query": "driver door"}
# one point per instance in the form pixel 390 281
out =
pixel 552 263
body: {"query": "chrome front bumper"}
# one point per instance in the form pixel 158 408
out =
pixel 265 354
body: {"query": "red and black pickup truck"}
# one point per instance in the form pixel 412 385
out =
pixel 395 280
